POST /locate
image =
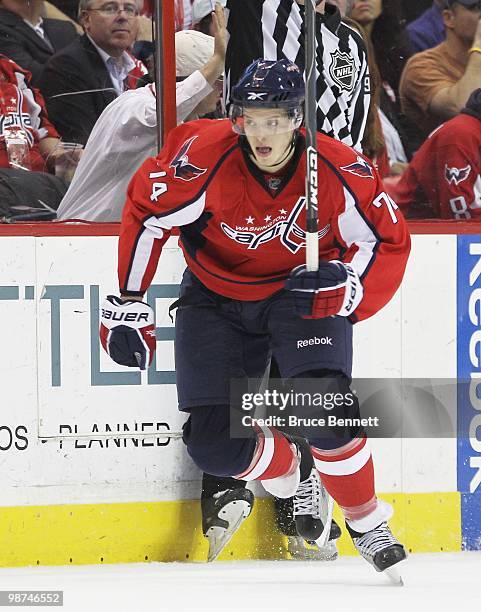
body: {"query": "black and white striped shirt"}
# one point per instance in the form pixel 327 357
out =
pixel 273 29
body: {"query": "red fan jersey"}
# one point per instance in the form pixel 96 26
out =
pixel 446 172
pixel 21 105
pixel 242 236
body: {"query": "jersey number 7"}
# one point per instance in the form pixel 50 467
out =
pixel 384 198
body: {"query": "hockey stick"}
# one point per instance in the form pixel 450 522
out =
pixel 312 246
pixel 312 242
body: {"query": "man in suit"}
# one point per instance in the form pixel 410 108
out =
pixel 81 80
pixel 27 38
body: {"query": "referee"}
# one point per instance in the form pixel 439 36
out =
pixel 274 29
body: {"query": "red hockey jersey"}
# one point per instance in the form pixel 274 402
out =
pixel 446 172
pixel 22 105
pixel 241 239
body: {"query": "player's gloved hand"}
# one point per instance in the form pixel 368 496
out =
pixel 333 289
pixel 127 332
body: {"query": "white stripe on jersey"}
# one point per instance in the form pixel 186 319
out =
pixel 141 258
pixel 154 229
pixel 344 467
pixel 265 459
pixel 268 25
pixel 355 230
pixel 292 46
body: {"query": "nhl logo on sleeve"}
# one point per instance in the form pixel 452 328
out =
pixel 342 70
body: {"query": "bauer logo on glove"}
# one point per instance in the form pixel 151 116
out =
pixel 127 332
pixel 333 289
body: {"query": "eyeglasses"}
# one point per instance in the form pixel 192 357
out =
pixel 112 8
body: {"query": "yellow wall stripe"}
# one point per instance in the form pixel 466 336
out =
pixel 171 531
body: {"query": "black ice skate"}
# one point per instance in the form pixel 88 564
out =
pixel 312 503
pixel 380 548
pixel 222 515
pixel 297 546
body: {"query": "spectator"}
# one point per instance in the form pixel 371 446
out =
pixel 125 134
pixel 202 15
pixel 444 178
pixel 182 13
pixel 383 22
pixel 29 144
pixel 427 31
pixel 53 12
pixel 437 83
pixel 380 20
pixel 67 7
pixel 344 6
pixel 80 81
pixel 28 39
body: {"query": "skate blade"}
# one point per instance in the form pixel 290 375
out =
pixel 300 550
pixel 234 513
pixel 394 577
pixel 322 540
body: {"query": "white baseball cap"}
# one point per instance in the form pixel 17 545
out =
pixel 202 8
pixel 192 51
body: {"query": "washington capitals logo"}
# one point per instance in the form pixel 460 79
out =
pixel 360 168
pixel 456 175
pixel 286 228
pixel 183 168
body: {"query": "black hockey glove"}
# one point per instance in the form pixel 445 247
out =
pixel 333 289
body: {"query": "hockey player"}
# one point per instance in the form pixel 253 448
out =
pixel 238 198
pixel 275 30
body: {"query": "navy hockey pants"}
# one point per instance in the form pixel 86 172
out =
pixel 218 339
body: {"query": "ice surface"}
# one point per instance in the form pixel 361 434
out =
pixel 435 582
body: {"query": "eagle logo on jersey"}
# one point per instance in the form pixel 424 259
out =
pixel 360 168
pixel 291 235
pixel 183 169
pixel 456 175
pixel 342 70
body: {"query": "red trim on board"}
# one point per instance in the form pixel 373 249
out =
pixel 433 226
pixel 60 229
pixel 441 226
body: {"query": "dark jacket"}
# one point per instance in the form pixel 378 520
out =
pixel 20 43
pixel 77 68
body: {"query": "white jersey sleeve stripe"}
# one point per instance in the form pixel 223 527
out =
pixel 141 259
pixel 355 230
pixel 154 229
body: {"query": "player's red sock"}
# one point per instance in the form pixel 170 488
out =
pixel 348 475
pixel 273 457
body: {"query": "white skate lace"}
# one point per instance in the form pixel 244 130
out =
pixel 307 499
pixel 375 540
